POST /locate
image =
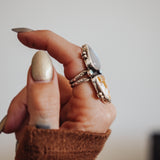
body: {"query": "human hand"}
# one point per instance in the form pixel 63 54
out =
pixel 55 103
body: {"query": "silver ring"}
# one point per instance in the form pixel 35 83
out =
pixel 92 73
pixel 78 79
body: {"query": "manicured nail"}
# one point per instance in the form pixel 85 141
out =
pixel 2 123
pixel 17 145
pixel 41 67
pixel 18 30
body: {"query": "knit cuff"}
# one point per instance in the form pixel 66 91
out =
pixel 46 144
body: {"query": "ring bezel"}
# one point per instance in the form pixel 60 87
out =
pixel 90 58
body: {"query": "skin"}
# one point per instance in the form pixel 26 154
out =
pixel 55 102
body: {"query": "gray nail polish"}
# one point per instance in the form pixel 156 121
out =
pixel 18 30
pixel 41 67
pixel 17 145
pixel 2 123
pixel 43 126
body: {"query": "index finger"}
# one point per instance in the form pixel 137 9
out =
pixel 62 50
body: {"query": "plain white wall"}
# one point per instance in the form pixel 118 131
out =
pixel 126 36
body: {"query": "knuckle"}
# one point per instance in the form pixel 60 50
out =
pixel 108 116
pixel 111 111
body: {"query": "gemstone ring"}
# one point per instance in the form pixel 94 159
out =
pixel 92 73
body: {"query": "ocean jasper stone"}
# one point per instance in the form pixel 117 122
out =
pixel 102 87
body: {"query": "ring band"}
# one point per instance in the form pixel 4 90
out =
pixel 77 77
pixel 79 82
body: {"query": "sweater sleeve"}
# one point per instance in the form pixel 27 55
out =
pixel 46 144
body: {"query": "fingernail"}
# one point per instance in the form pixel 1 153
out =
pixel 18 30
pixel 2 123
pixel 17 145
pixel 41 67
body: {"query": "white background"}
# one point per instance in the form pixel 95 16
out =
pixel 126 36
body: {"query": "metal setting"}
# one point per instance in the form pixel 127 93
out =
pixel 102 91
pixel 90 59
pixel 92 73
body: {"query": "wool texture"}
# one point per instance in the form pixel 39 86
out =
pixel 50 144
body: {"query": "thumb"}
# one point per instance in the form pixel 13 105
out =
pixel 43 99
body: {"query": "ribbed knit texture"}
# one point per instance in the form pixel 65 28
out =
pixel 46 144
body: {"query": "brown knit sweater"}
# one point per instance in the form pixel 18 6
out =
pixel 46 144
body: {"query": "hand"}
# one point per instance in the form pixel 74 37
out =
pixel 77 108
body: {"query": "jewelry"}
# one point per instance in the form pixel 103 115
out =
pixel 92 73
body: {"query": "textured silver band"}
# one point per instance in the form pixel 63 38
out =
pixel 78 79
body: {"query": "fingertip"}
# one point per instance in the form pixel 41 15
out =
pixel 42 70
pixel 31 81
pixel 33 39
pixel 22 37
pixel 42 96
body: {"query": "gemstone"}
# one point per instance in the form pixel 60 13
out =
pixel 94 59
pixel 102 87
